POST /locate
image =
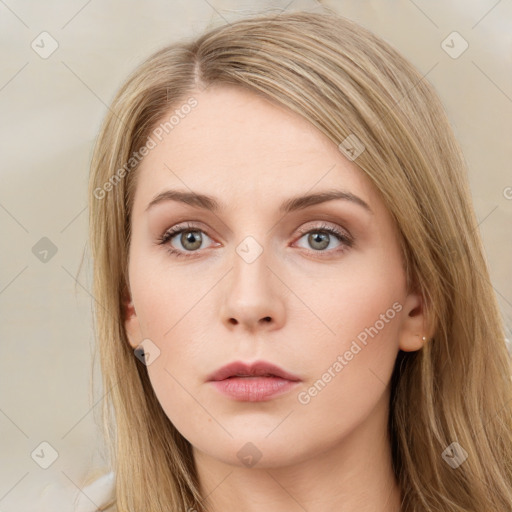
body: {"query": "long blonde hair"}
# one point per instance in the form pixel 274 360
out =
pixel 346 82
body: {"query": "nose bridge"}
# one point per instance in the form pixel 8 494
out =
pixel 253 294
pixel 250 276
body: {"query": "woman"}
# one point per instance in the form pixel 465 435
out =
pixel 293 308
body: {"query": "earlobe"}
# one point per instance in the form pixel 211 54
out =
pixel 412 335
pixel 131 321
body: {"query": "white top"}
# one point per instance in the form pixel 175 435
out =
pixel 97 493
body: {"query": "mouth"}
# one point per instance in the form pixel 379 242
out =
pixel 253 389
pixel 255 382
pixel 239 369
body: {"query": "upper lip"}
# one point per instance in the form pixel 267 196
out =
pixel 258 368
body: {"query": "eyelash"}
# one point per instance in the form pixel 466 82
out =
pixel 168 235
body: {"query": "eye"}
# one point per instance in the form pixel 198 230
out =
pixel 322 237
pixel 190 239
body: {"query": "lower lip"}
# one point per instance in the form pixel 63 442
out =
pixel 253 389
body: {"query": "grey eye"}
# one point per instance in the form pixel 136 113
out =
pixel 191 240
pixel 318 240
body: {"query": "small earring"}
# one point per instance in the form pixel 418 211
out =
pixel 424 339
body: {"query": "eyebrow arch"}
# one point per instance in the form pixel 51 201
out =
pixel 295 203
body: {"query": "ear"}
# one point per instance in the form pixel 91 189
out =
pixel 413 327
pixel 131 321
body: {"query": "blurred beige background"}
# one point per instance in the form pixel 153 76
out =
pixel 51 106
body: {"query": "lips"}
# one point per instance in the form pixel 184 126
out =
pixel 257 382
pixel 256 369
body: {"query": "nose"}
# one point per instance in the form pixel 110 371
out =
pixel 253 297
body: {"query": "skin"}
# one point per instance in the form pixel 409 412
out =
pixel 205 311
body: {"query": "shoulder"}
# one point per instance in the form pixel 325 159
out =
pixel 98 495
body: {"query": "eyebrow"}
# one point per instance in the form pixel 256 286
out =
pixel 290 205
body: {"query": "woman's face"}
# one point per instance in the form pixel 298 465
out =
pixel 314 287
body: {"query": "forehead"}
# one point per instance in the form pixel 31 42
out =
pixel 234 144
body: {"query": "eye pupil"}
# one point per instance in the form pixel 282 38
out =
pixel 194 237
pixel 321 238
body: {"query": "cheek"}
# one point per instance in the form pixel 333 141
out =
pixel 366 293
pixel 163 293
pixel 171 313
pixel 361 314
